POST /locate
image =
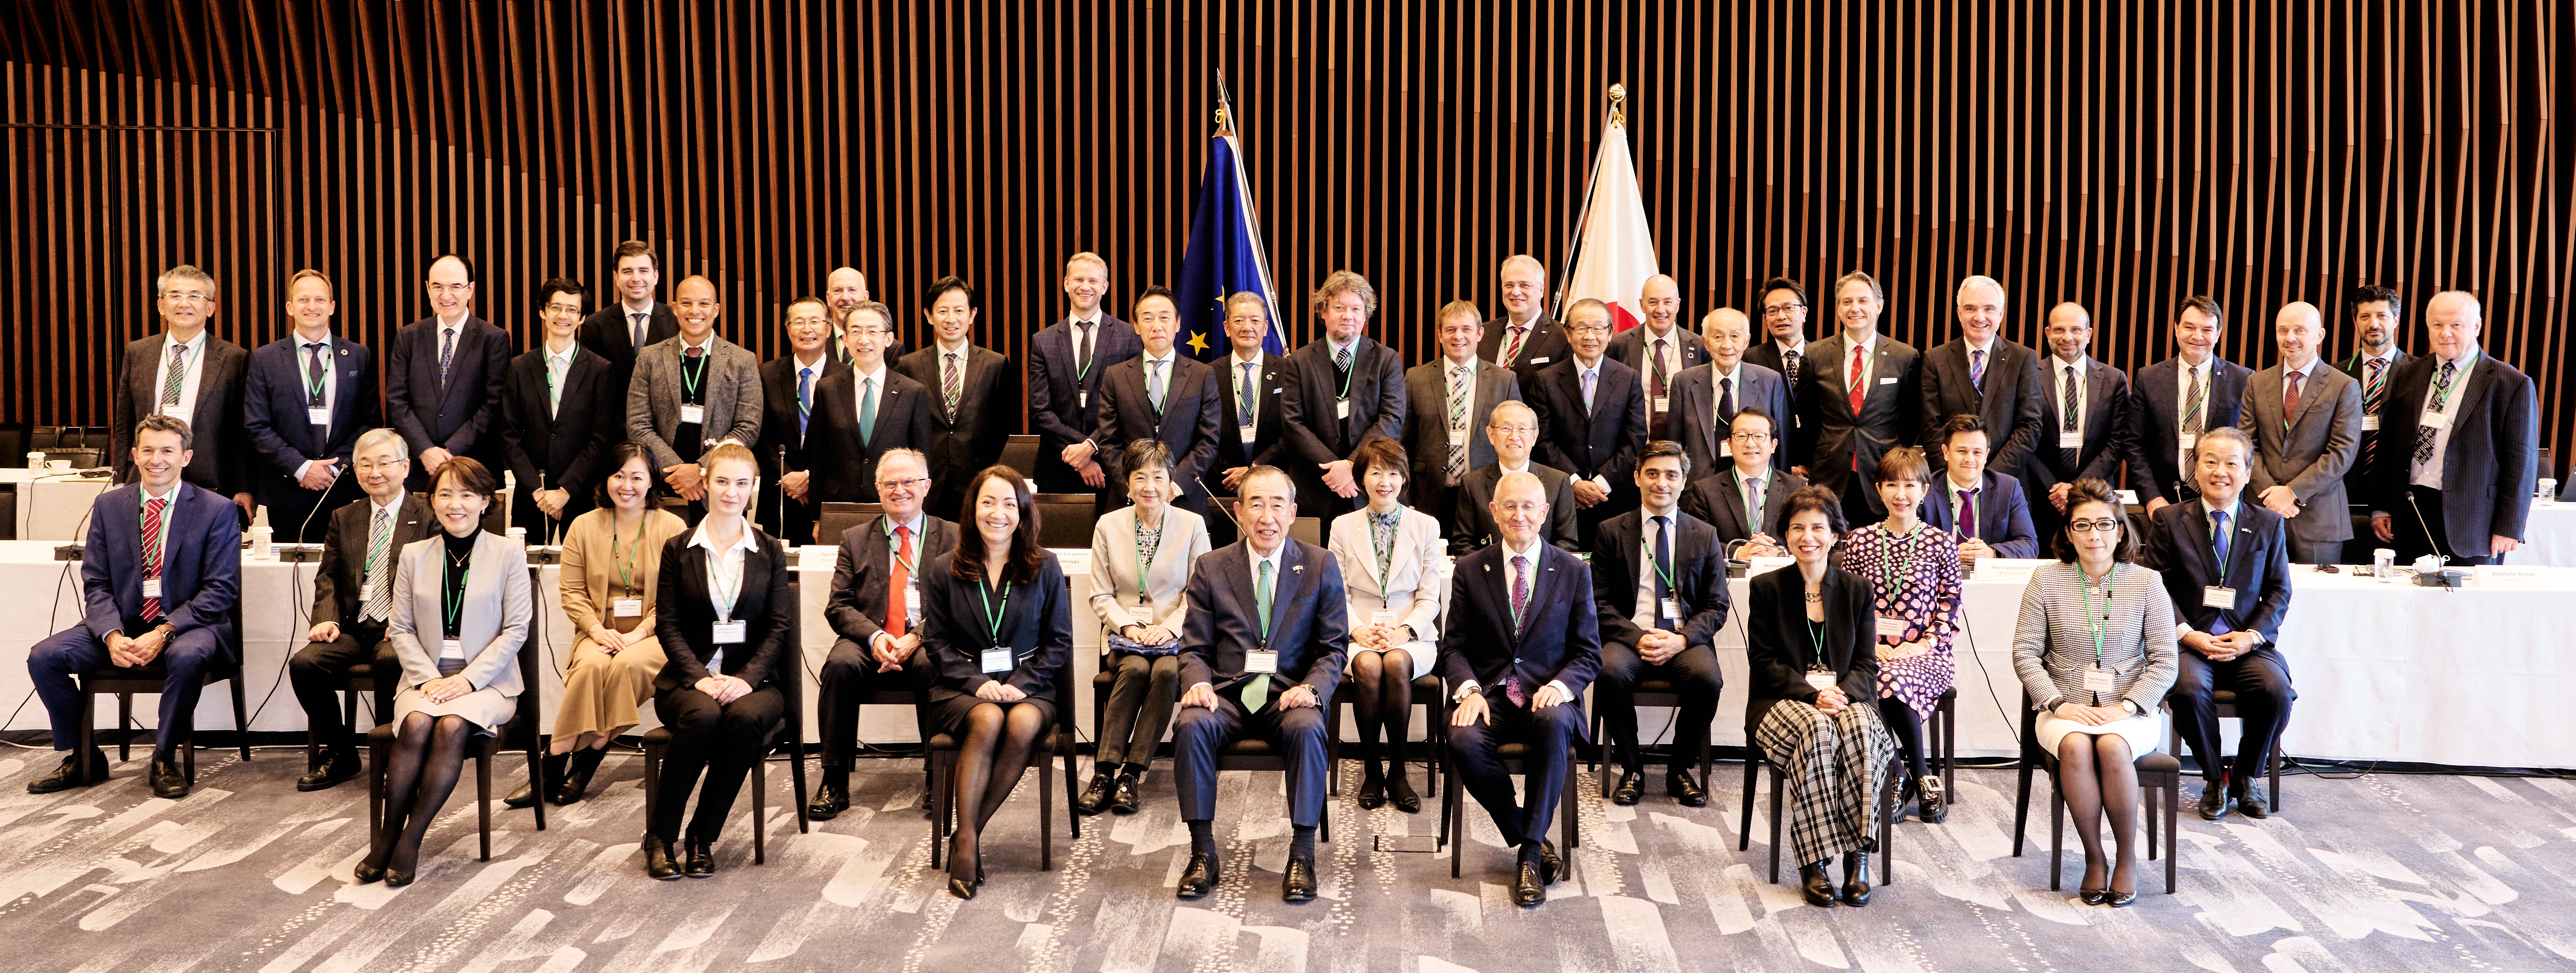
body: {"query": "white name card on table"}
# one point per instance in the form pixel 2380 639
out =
pixel 1760 566
pixel 2007 568
pixel 1076 560
pixel 818 556
pixel 2510 577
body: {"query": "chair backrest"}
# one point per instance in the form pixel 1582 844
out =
pixel 1308 529
pixel 81 458
pixel 837 518
pixel 1021 453
pixel 13 443
pixel 1064 519
pixel 44 438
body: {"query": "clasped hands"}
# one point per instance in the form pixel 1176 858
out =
pixel 128 652
pixel 2220 648
pixel 1203 696
pixel 723 689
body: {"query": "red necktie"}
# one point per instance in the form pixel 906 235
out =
pixel 152 552
pixel 2290 401
pixel 1859 395
pixel 897 581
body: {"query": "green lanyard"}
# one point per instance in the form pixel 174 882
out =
pixel 1355 368
pixel 992 618
pixel 313 381
pixel 691 379
pixel 455 595
pixel 1144 563
pixel 1816 634
pixel 893 552
pixel 1904 568
pixel 634 553
pixel 2098 620
pixel 715 582
pixel 2442 396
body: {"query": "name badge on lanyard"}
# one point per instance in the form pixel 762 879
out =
pixel 911 602
pixel 1381 617
pixel 627 607
pixel 1820 679
pixel 2186 440
pixel 152 587
pixel 318 415
pixel 2097 680
pixel 2217 597
pixel 2370 423
pixel 693 414
pixel 451 649
pixel 997 660
pixel 184 412
pixel 727 633
pixel 1082 400
pixel 1247 433
pixel 1261 661
pixel 1891 628
pixel 1341 408
pixel 1668 608
pixel 2435 420
pixel 1663 403
pixel 2070 440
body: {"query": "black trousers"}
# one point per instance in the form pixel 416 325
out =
pixel 1547 732
pixel 2427 534
pixel 849 677
pixel 1299 734
pixel 724 742
pixel 1692 671
pixel 1140 707
pixel 2261 681
pixel 316 670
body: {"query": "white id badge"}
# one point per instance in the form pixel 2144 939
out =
pixel 1663 403
pixel 1082 399
pixel 1669 608
pixel 451 649
pixel 626 607
pixel 183 413
pixel 912 602
pixel 319 417
pixel 2370 423
pixel 1381 617
pixel 152 587
pixel 1247 432
pixel 997 660
pixel 1820 679
pixel 1891 628
pixel 1886 381
pixel 693 414
pixel 1260 661
pixel 1726 449
pixel 2097 680
pixel 1538 361
pixel 2435 420
pixel 2070 440
pixel 2217 597
pixel 2186 440
pixel 1341 408
pixel 727 633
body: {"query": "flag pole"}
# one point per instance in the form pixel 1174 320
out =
pixel 1583 217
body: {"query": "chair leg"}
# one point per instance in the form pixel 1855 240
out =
pixel 1046 824
pixel 2021 806
pixel 1452 825
pixel 2273 770
pixel 1779 784
pixel 759 810
pixel 1600 752
pixel 652 783
pixel 375 797
pixel 1570 822
pixel 241 723
pixel 2056 837
pixel 2152 801
pixel 1072 814
pixel 796 769
pixel 483 800
pixel 1752 775
pixel 124 727
pixel 1887 809
pixel 88 732
pixel 187 745
pixel 2173 827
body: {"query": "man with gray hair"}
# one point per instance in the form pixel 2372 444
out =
pixel 190 374
pixel 875 610
pixel 1983 374
pixel 2470 426
pixel 353 600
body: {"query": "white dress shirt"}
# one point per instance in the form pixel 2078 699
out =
pixel 2182 404
pixel 1248 404
pixel 2428 473
pixel 1532 554
pixel 1158 375
pixel 195 366
pixel 168 510
pixel 724 579
pixel 1868 364
pixel 2058 369
pixel 1647 609
pixel 304 375
pixel 2208 534
pixel 1458 375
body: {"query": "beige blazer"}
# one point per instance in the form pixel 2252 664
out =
pixel 590 579
pixel 1114 569
pixel 492 625
pixel 1410 587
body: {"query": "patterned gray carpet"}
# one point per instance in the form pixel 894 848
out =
pixel 2381 873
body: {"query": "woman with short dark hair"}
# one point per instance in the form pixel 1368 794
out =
pixel 1390 557
pixel 1914 577
pixel 1140 564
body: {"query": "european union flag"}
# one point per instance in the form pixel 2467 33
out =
pixel 1225 256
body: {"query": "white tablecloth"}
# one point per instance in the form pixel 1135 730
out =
pixel 50 507
pixel 2551 536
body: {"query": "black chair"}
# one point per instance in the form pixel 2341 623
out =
pixel 837 518
pixel 13 443
pixel 791 689
pixel 2156 772
pixel 125 683
pixel 1649 692
pixel 1514 757
pixel 2225 700
pixel 1064 519
pixel 358 678
pixel 1435 735
pixel 45 438
pixel 1057 743
pixel 1020 452
pixel 380 746
pixel 1755 759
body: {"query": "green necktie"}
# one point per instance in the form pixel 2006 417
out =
pixel 867 410
pixel 1257 691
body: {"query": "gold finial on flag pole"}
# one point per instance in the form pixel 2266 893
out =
pixel 1618 94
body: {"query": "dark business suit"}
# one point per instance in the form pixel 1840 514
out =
pixel 1719 500
pixel 340 596
pixel 2106 438
pixel 1629 348
pixel 1600 440
pixel 1315 432
pixel 222 451
pixel 723 740
pixel 1186 424
pixel 200 586
pixel 2008 401
pixel 1557 639
pixel 1309 628
pixel 2155 454
pixel 857 611
pixel 783 427
pixel 1841 450
pixel 2360 481
pixel 1695 575
pixel 1472 520
pixel 2489 466
pixel 1544 345
pixel 2003 514
pixel 1269 445
pixel 1037 625
pixel 1779 646
pixel 1426 430
pixel 611 333
pixel 843 459
pixel 2307 452
pixel 1064 402
pixel 966 441
pixel 565 448
pixel 282 436
pixel 1705 427
pixel 458 414
pixel 2177 546
pixel 1766 353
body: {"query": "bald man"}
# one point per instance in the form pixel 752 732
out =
pixel 691 393
pixel 1983 374
pixel 1706 398
pixel 843 289
pixel 1525 339
pixel 1660 350
pixel 2083 419
pixel 2305 419
pixel 443 376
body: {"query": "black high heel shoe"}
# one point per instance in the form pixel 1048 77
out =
pixel 959 887
pixel 1399 792
pixel 2090 895
pixel 395 880
pixel 1372 789
pixel 367 874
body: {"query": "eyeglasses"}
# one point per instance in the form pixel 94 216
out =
pixel 198 297
pixel 1750 437
pixel 2093 526
pixel 908 483
pixel 1587 327
pixel 437 288
pixel 1776 310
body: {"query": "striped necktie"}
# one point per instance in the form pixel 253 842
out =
pixel 952 383
pixel 152 511
pixel 2374 391
pixel 178 374
pixel 379 576
pixel 1461 379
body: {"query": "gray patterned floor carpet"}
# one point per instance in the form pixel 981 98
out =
pixel 2380 873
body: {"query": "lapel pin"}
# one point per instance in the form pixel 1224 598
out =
pixel 1298 568
pixel 1489 569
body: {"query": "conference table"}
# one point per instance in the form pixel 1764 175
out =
pixel 2549 536
pixel 2385 670
pixel 50 504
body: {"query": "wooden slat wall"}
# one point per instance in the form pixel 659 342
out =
pixel 2120 155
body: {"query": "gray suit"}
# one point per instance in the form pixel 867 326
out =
pixel 492 624
pixel 2308 453
pixel 1426 429
pixel 732 398
pixel 1702 431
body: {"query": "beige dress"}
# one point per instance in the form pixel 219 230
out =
pixel 600 567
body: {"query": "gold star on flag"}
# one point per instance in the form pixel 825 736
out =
pixel 1198 342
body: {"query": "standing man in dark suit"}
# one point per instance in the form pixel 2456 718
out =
pixel 1344 389
pixel 189 374
pixel 1783 305
pixel 1160 395
pixel 160 575
pixel 1659 584
pixel 1858 397
pixel 1742 503
pixel 1521 640
pixel 1525 339
pixel 443 376
pixel 2374 362
pixel 975 393
pixel 2227 566
pixel 2305 420
pixel 787 385
pixel 1706 398
pixel 311 393
pixel 864 413
pixel 1512 430
pixel 1591 419
pixel 875 610
pixel 1250 385
pixel 691 393
pixel 1066 361
pixel 561 412
pixel 1447 400
pixel 2178 399
pixel 2465 489
pixel 1659 350
pixel 845 288
pixel 353 601
pixel 1983 509
pixel 1980 373
pixel 1261 655
pixel 2083 419
pixel 635 321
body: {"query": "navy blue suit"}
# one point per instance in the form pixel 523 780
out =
pixel 461 415
pixel 1309 628
pixel 282 435
pixel 1558 641
pixel 2003 514
pixel 2177 545
pixel 200 586
pixel 2155 451
pixel 1697 582
pixel 1064 404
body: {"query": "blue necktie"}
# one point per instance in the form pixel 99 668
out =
pixel 804 398
pixel 2218 543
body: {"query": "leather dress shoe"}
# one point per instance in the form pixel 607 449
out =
pixel 1199 878
pixel 1685 790
pixel 828 803
pixel 68 775
pixel 334 768
pixel 1528 888
pixel 702 859
pixel 1299 885
pixel 1813 884
pixel 1551 865
pixel 1934 807
pixel 2213 801
pixel 2253 805
pixel 551 767
pixel 1856 878
pixel 657 859
pixel 167 780
pixel 1096 795
pixel 575 779
pixel 1125 800
pixel 1626 790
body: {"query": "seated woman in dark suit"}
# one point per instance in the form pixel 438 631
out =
pixel 1812 640
pixel 723 615
pixel 997 620
pixel 461 610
